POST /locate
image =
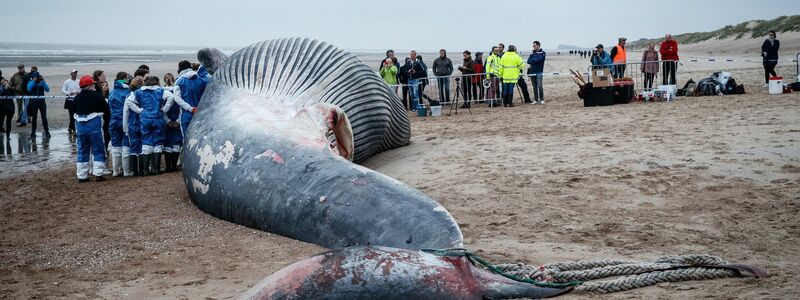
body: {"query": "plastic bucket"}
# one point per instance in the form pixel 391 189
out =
pixel 436 111
pixel 421 111
pixel 775 85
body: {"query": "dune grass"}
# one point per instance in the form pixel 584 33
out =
pixel 751 29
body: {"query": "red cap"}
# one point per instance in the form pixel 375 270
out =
pixel 86 80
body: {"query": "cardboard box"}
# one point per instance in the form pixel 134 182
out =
pixel 601 77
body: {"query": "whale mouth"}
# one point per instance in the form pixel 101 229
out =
pixel 335 126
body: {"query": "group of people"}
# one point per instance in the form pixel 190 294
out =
pixel 29 89
pixel 494 77
pixel 143 119
pixel 617 60
pixel 134 123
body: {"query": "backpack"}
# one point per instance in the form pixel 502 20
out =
pixel 708 87
pixel 730 87
pixel 688 88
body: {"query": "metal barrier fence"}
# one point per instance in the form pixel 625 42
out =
pixel 667 73
pixel 465 90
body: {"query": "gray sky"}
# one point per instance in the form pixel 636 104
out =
pixel 361 24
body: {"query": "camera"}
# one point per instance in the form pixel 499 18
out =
pixel 458 79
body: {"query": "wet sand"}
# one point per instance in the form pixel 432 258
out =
pixel 716 175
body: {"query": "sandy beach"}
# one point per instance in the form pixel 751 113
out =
pixel 533 184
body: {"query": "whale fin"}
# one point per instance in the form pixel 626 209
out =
pixel 211 58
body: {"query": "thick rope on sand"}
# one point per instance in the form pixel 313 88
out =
pixel 634 274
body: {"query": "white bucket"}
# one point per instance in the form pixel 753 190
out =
pixel 436 111
pixel 775 85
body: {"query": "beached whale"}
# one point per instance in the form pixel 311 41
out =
pixel 275 142
pixel 390 273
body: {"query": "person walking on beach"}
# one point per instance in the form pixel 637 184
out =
pixel 6 107
pixel 669 54
pixel 620 57
pixel 37 87
pixel 535 71
pixel 70 88
pixel 442 69
pixel 511 67
pixel 16 84
pixel 769 52
pixel 650 65
pixel 89 110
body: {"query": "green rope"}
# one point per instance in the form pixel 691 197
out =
pixel 475 259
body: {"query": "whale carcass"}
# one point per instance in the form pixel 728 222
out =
pixel 275 142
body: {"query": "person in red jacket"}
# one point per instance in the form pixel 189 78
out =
pixel 669 54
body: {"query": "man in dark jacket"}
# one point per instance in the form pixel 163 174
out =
pixel 19 85
pixel 769 51
pixel 467 69
pixel 89 110
pixel 415 73
pixel 402 78
pixel 536 62
pixel 443 68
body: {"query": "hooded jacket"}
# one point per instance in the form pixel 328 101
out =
pixel 116 100
pixel 650 60
pixel 189 88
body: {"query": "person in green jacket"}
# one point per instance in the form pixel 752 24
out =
pixel 511 66
pixel 492 67
pixel 389 72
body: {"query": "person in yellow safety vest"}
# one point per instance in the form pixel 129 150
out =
pixel 511 66
pixel 492 73
pixel 620 58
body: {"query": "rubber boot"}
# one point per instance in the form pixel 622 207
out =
pixel 175 157
pixel 116 166
pixel 126 166
pixel 145 163
pixel 156 164
pixel 142 165
pixel 168 157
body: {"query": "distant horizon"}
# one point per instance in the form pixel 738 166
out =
pixel 368 25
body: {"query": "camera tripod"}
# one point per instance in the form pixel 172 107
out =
pixel 454 104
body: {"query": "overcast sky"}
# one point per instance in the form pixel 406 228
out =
pixel 375 24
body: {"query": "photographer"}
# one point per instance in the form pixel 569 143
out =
pixel 415 73
pixel 599 57
pixel 467 69
pixel 37 87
